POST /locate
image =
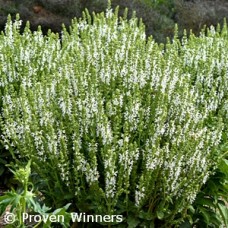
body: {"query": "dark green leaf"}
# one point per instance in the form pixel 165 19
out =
pixel 205 214
pixel 185 225
pixel 132 221
pixel 224 213
pixel 206 202
pixel 145 215
pixel 2 169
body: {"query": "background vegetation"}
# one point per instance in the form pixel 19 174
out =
pixel 159 16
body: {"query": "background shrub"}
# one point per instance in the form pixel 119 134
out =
pixel 158 16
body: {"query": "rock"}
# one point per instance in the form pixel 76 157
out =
pixel 37 9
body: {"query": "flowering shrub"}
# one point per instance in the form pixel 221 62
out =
pixel 111 120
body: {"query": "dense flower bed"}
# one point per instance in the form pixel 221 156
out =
pixel 113 121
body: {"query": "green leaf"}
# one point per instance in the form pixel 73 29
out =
pixel 132 221
pixel 160 214
pixel 3 161
pixel 35 206
pixel 191 209
pixel 215 220
pixel 213 186
pixel 206 202
pixel 57 212
pixel 67 206
pixel 146 215
pixel 2 169
pixel 44 208
pixel 186 224
pixel 224 213
pixel 68 196
pixel 223 166
pixel 205 214
pixel 10 198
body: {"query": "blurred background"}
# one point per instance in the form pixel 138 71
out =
pixel 159 16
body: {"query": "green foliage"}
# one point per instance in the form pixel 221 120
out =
pixel 157 3
pixel 68 8
pixel 114 122
pixel 25 201
pixel 8 8
pixel 18 201
pixel 4 159
pixel 210 207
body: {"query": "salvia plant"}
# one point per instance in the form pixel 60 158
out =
pixel 114 122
